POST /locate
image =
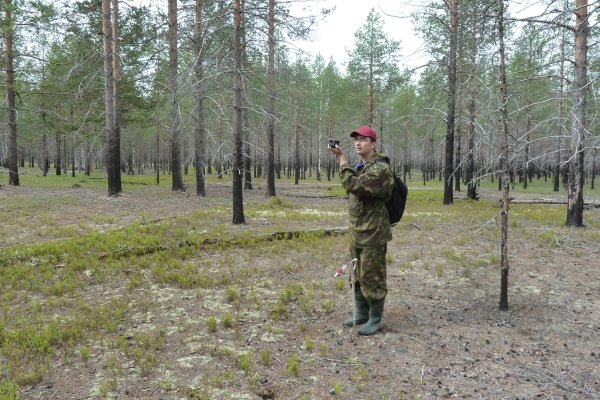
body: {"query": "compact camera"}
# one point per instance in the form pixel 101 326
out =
pixel 333 143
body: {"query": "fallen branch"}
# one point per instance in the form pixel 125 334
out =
pixel 265 237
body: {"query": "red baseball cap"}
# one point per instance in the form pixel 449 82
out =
pixel 365 131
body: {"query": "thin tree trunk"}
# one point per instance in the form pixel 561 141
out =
pixel 45 156
pixel 271 103
pixel 449 161
pixel 470 172
pixel 594 161
pixel 200 147
pixel 238 206
pixel 177 178
pixel 112 165
pixel 576 162
pixel 117 95
pixel 504 267
pixel 296 146
pixel 371 100
pixel 527 140
pixel 13 152
pixel 319 130
pixel 458 122
pixel 88 163
pixel 57 163
pixel 65 163
pixel 247 157
pixel 560 124
pixel 157 159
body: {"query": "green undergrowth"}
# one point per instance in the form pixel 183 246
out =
pixel 86 298
pixel 46 312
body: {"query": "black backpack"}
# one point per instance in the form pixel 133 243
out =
pixel 396 204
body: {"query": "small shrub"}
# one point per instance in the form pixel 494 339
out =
pixel 293 366
pixel 328 305
pixel 337 389
pixel 107 386
pixel 227 320
pixel 279 311
pixel 310 345
pixel 245 362
pixel 85 353
pixel 233 294
pixel 211 324
pixel 9 390
pixel 265 357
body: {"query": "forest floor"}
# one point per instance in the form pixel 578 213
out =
pixel 147 296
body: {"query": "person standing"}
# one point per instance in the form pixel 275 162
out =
pixel 369 185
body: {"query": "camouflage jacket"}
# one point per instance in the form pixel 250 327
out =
pixel 368 185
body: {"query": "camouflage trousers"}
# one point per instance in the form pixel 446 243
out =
pixel 371 270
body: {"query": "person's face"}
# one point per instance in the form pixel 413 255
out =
pixel 364 146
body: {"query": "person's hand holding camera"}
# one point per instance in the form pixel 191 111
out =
pixel 334 147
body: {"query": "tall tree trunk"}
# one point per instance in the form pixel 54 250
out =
pixel 526 167
pixel 271 103
pixel 296 147
pixel 247 157
pixel 560 124
pixel 73 161
pixel 117 95
pixel 58 161
pixel 157 148
pixel 220 134
pixel 320 131
pixel 459 135
pixel 112 163
pixel 65 154
pixel 449 160
pixel 576 172
pixel 459 111
pixel 371 100
pixel 13 150
pixel 238 205
pixel 176 176
pixel 470 172
pixel 88 162
pixel 199 130
pixel 504 267
pixel 594 169
pixel 45 155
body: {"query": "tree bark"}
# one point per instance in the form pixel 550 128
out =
pixel 449 161
pixel 112 166
pixel 13 150
pixel 560 124
pixel 199 129
pixel 526 167
pixel 296 143
pixel 116 151
pixel 58 161
pixel 578 124
pixel 271 103
pixel 470 170
pixel 176 176
pixel 247 157
pixel 594 168
pixel 504 267
pixel 157 158
pixel 238 206
pixel 45 156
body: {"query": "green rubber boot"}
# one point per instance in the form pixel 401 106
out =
pixel 362 308
pixel 375 322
